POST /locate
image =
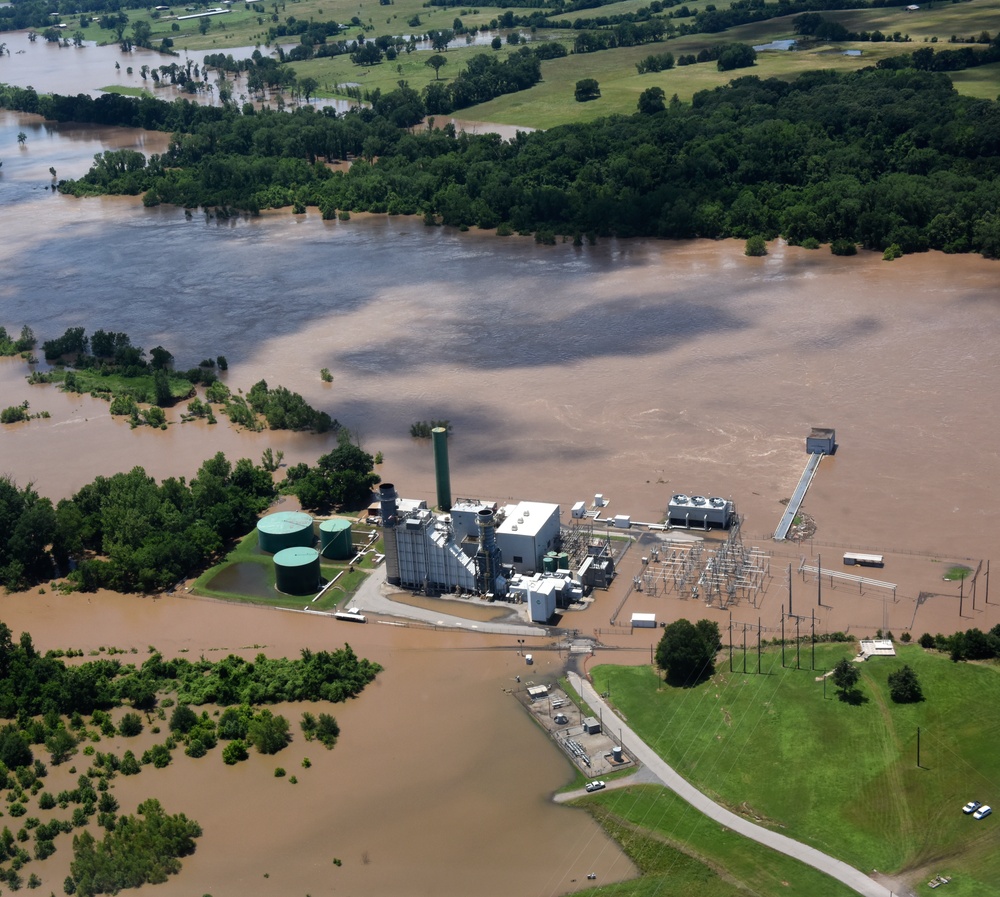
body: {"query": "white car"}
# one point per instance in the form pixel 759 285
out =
pixel 982 812
pixel 971 807
pixel 595 786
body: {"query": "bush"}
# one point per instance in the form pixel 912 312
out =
pixel 843 247
pixel 927 641
pixel 755 246
pixel 279 772
pixel 587 89
pixel 130 725
pixel 234 752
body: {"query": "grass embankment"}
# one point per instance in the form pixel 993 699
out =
pixel 840 777
pixel 681 852
pixel 247 553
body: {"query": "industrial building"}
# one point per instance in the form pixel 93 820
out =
pixel 529 529
pixel 506 552
pixel 699 511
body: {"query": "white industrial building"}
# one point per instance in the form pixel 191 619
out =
pixel 699 511
pixel 529 529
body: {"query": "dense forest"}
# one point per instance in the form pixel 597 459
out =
pixel 878 157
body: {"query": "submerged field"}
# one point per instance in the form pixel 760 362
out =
pixel 841 777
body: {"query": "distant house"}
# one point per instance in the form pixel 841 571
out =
pixel 912 8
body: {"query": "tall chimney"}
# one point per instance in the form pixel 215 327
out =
pixel 441 472
pixel 387 511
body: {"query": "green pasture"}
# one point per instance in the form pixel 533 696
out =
pixel 109 383
pixel 682 852
pixel 246 552
pixel 841 777
pixel 982 82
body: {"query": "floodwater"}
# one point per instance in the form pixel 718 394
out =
pixel 438 784
pixel 636 369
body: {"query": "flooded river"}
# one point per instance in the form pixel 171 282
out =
pixel 634 369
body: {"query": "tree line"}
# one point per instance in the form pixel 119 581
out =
pixel 875 157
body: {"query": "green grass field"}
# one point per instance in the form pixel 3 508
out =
pixel 840 777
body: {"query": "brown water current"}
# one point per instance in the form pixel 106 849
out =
pixel 632 368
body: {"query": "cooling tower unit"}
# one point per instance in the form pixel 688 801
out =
pixel 335 539
pixel 285 529
pixel 441 473
pixel 296 571
pixel 387 511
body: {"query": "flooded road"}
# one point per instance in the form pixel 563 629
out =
pixel 635 369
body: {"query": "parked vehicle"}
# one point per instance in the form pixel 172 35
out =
pixel 971 807
pixel 982 812
pixel 595 786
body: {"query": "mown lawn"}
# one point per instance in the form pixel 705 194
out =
pixel 681 852
pixel 840 777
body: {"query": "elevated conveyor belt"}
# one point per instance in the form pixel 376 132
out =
pixel 812 465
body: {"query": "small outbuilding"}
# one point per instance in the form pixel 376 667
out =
pixel 821 441
pixel 592 725
pixel 643 621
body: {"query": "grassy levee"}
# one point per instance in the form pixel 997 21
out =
pixel 681 852
pixel 838 776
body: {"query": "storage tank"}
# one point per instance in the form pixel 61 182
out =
pixel 562 560
pixel 297 570
pixel 335 539
pixel 549 564
pixel 285 529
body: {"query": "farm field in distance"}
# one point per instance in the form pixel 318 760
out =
pixel 550 102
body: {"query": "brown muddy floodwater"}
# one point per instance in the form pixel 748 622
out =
pixel 632 368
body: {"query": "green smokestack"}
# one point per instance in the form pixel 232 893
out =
pixel 441 473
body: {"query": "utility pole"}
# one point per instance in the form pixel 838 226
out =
pixel 758 646
pixel 819 580
pixel 744 647
pixel 961 592
pixel 814 640
pixel 798 643
pixel 782 636
pixel 789 589
pixel 987 582
pixel 730 641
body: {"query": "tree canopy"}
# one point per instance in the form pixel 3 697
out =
pixel 875 157
pixel 686 651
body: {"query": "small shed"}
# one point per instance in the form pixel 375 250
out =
pixel 643 621
pixel 623 521
pixel 591 725
pixel 821 441
pixel 579 510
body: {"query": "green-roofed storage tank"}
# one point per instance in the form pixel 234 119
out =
pixel 285 529
pixel 297 570
pixel 562 559
pixel 548 564
pixel 335 539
